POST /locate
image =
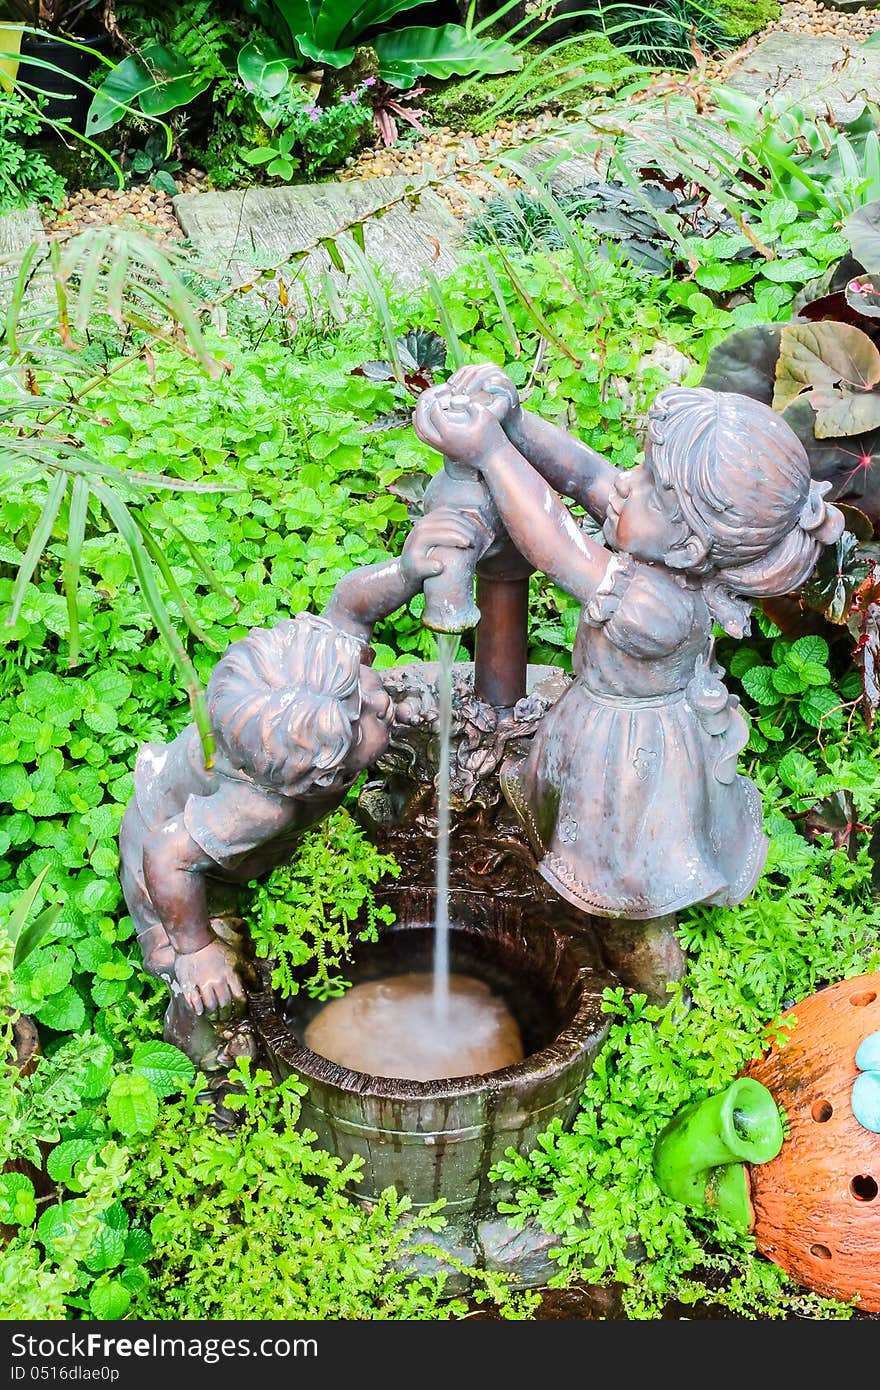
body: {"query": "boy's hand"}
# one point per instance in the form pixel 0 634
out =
pixel 488 385
pixel 463 430
pixel 209 980
pixel 442 527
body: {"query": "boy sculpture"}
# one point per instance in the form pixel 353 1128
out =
pixel 297 712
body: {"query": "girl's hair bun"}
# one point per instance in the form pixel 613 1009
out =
pixel 823 522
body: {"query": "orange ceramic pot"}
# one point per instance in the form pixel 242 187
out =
pixel 817 1204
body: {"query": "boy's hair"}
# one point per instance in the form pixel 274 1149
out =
pixel 283 703
pixel 739 477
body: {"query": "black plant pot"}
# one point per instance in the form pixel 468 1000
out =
pixel 66 92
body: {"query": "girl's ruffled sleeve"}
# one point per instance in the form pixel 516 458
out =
pixel 644 612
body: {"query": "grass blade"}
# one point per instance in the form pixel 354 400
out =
pixel 36 546
pixel 76 530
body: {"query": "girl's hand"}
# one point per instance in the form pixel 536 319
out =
pixel 491 387
pixel 463 430
pixel 442 527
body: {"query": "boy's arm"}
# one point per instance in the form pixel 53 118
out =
pixel 365 595
pixel 204 967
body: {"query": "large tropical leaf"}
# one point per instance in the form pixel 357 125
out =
pixel 158 80
pixel 820 356
pixel 332 20
pixel 745 362
pixel 862 231
pixel 297 15
pixel 328 57
pixel 264 67
pixel 369 15
pixel 441 52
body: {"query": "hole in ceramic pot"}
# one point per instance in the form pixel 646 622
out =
pixel 822 1112
pixel 862 1000
pixel 864 1187
pixel 820 1252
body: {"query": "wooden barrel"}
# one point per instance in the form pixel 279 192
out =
pixel 432 1139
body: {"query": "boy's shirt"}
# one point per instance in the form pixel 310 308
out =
pixel 246 829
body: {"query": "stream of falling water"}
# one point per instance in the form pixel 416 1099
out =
pixel 447 647
pixel 418 1025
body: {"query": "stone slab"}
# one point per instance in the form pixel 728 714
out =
pixel 18 230
pixel 813 70
pixel 245 231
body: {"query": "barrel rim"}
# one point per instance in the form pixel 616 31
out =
pixel 578 1040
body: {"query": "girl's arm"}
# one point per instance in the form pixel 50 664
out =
pixel 538 523
pixel 365 595
pixel 567 464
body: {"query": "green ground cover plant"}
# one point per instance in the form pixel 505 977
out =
pixel 26 175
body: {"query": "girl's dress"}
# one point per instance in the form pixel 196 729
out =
pixel 629 792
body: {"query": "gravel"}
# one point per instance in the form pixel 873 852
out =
pixel 95 207
pixel 809 17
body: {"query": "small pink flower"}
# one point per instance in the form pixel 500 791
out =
pixel 369 81
pixel 314 113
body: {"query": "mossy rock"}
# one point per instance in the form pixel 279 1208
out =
pixel 590 61
pixel 743 18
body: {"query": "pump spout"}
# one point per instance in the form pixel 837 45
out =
pixel 449 596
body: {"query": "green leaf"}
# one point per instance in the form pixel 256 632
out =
pixel 134 1278
pixel 758 682
pixel 138 1246
pixel 165 1067
pixel 814 674
pixel 17 1200
pixel 50 969
pixel 796 771
pixel 98 1072
pixel 101 717
pixel 842 412
pixel 262 155
pixel 443 51
pixel 264 67
pixel 109 1298
pixel 822 355
pixel 64 1012
pixel 108 1249
pixel 787 681
pixel 56 1220
pixel 107 992
pixel 810 648
pixel 110 687
pixel 791 270
pixel 821 706
pixel 157 80
pixel 133 1104
pixel 325 57
pixel 64 1157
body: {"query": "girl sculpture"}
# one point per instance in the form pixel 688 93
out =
pixel 629 793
